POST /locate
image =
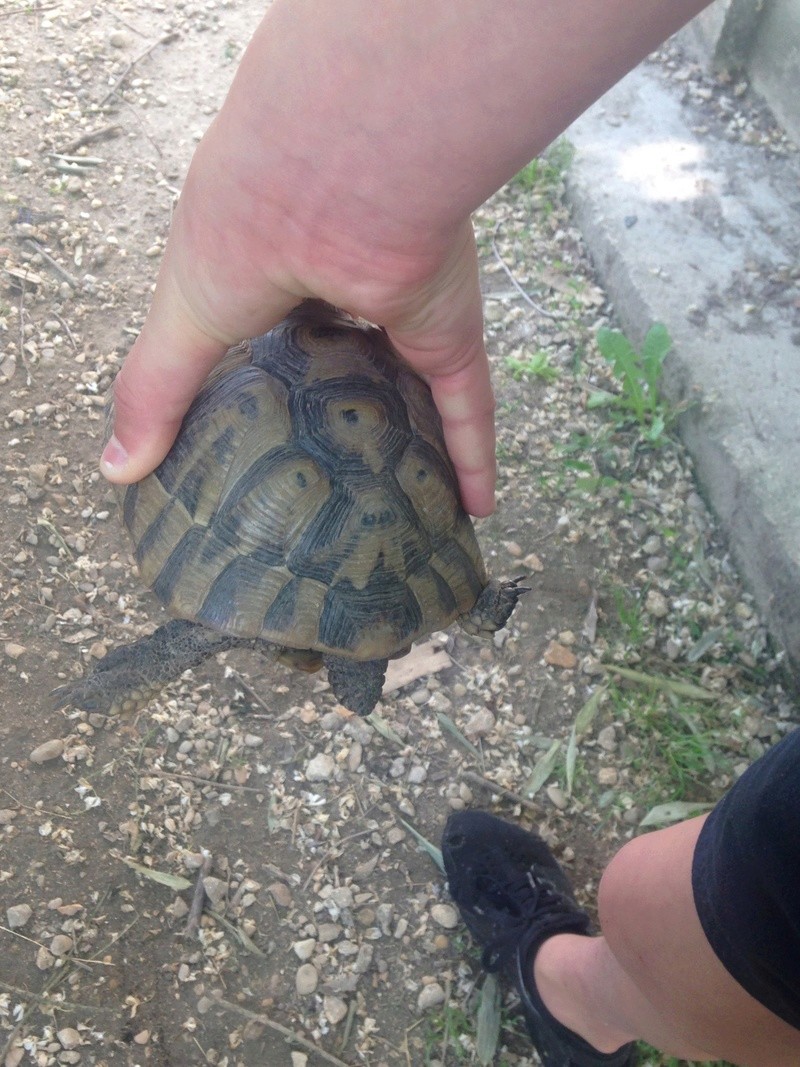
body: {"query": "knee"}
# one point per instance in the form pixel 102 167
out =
pixel 645 898
pixel 622 896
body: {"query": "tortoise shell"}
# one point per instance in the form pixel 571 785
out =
pixel 309 499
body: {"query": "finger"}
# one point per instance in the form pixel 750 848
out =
pixel 160 377
pixel 446 347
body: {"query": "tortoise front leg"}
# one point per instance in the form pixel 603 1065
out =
pixel 357 685
pixel 128 678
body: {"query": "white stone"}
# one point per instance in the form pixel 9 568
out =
pixel 430 997
pixel 18 914
pixel 320 768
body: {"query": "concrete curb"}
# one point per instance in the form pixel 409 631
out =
pixel 702 234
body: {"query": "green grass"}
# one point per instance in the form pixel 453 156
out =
pixel 547 170
pixel 638 375
pixel 535 366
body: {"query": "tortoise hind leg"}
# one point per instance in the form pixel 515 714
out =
pixel 493 608
pixel 129 677
pixel 356 684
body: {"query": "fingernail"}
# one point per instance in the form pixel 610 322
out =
pixel 114 457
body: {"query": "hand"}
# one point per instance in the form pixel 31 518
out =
pixel 354 143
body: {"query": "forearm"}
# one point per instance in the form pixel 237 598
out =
pixel 444 101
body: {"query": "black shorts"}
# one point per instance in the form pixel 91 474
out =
pixel 746 880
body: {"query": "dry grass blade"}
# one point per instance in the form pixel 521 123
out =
pixel 384 729
pixel 674 811
pixel 488 1029
pixel 583 720
pixel 291 1036
pixel 660 681
pixel 542 770
pixel 447 724
pixel 172 881
pixel 432 850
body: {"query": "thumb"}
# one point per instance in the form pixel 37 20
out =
pixel 160 377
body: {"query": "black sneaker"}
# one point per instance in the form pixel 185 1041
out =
pixel 513 895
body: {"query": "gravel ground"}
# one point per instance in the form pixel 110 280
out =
pixel 635 674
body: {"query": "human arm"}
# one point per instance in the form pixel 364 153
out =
pixel 354 143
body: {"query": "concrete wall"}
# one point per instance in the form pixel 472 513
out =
pixel 774 62
pixel 757 39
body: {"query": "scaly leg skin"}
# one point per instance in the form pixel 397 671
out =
pixel 356 684
pixel 493 608
pixel 128 678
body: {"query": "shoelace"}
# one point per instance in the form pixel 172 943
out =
pixel 529 905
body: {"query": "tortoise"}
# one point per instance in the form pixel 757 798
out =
pixel 309 509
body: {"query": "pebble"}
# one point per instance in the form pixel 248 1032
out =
pixel 656 604
pixel 607 738
pixel 320 768
pixel 440 702
pixel 306 979
pixel 18 914
pixel 304 949
pixel 430 997
pixel 44 958
pixel 13 650
pixel 327 932
pixel 607 776
pixel 363 960
pixel 445 915
pixel 61 945
pixel 280 894
pixel 47 751
pixel 69 1037
pixel 533 563
pixel 335 1009
pixel 118 39
pixel 558 655
pixel 299 1059
pixel 481 723
pixel 216 889
pixel 557 798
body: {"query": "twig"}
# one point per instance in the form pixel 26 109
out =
pixel 290 1035
pixel 39 811
pixel 127 25
pixel 28 11
pixel 536 307
pixel 348 1025
pixel 487 783
pixel 43 998
pixel 206 781
pixel 92 135
pixel 250 691
pixel 21 318
pixel 65 324
pixel 199 896
pixel 166 39
pixel 68 278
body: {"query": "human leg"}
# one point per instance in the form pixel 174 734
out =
pixel 653 975
pixel 656 975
